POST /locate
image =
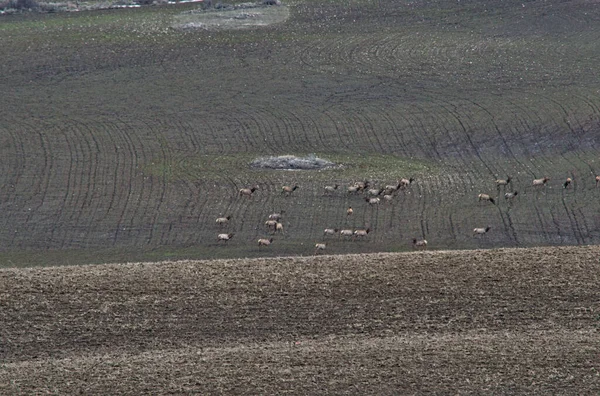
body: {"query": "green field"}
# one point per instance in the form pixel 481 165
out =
pixel 123 137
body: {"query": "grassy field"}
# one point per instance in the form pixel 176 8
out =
pixel 495 321
pixel 123 136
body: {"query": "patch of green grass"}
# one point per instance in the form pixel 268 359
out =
pixel 350 166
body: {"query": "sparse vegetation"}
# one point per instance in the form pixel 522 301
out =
pixel 501 321
pixel 137 136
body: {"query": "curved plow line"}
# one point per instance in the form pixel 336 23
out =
pixel 543 229
pixel 312 135
pixel 275 135
pixel 95 199
pixel 442 125
pixel 60 225
pixel 291 128
pixel 84 179
pixel 231 131
pixel 337 127
pixel 242 131
pixel 258 131
pixel 541 123
pixel 422 216
pixel 452 229
pixel 193 190
pixel 346 131
pixel 191 145
pixel 371 133
pixel 588 232
pixel 166 159
pixel 578 150
pixel 424 133
pixel 463 128
pixel 13 171
pixel 117 169
pixel 498 132
pixel 525 127
pixel 511 226
pixel 576 230
pixel 12 165
pixel 43 175
pixel 507 226
pixel 310 124
pixel 392 129
pixel 131 161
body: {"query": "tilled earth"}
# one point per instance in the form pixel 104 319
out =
pixel 488 321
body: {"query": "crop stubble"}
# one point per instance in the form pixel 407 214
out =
pixel 502 321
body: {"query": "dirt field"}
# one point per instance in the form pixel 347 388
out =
pixel 485 322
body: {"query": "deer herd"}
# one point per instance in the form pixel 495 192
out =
pixel 373 196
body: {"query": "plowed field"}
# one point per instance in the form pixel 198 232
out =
pixel 508 321
pixel 123 137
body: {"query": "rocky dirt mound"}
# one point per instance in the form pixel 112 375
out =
pixel 232 16
pixel 291 162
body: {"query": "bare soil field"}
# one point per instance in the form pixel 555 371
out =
pixel 500 321
pixel 123 138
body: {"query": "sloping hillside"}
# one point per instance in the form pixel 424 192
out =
pixel 485 321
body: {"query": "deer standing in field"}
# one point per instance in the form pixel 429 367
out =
pixel 362 233
pixel 540 182
pixel 419 244
pixel 224 237
pixel 486 197
pixel 223 220
pixel 510 195
pixel 276 216
pixel 247 192
pixel 319 246
pixel 329 231
pixel 373 201
pixel 288 190
pixel 264 242
pixel 481 231
pixel 346 233
pixel 330 189
pixel 406 182
pixel 503 182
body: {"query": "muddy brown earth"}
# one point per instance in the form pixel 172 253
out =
pixel 488 321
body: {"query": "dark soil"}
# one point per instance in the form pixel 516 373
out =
pixel 494 321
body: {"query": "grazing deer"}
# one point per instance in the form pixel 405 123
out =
pixel 319 246
pixel 248 192
pixel 486 197
pixel 330 189
pixel 503 182
pixel 406 182
pixel 362 233
pixel 419 244
pixel 287 190
pixel 224 237
pixel 373 201
pixel 330 231
pixel 223 220
pixel 540 182
pixel 481 231
pixel 264 242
